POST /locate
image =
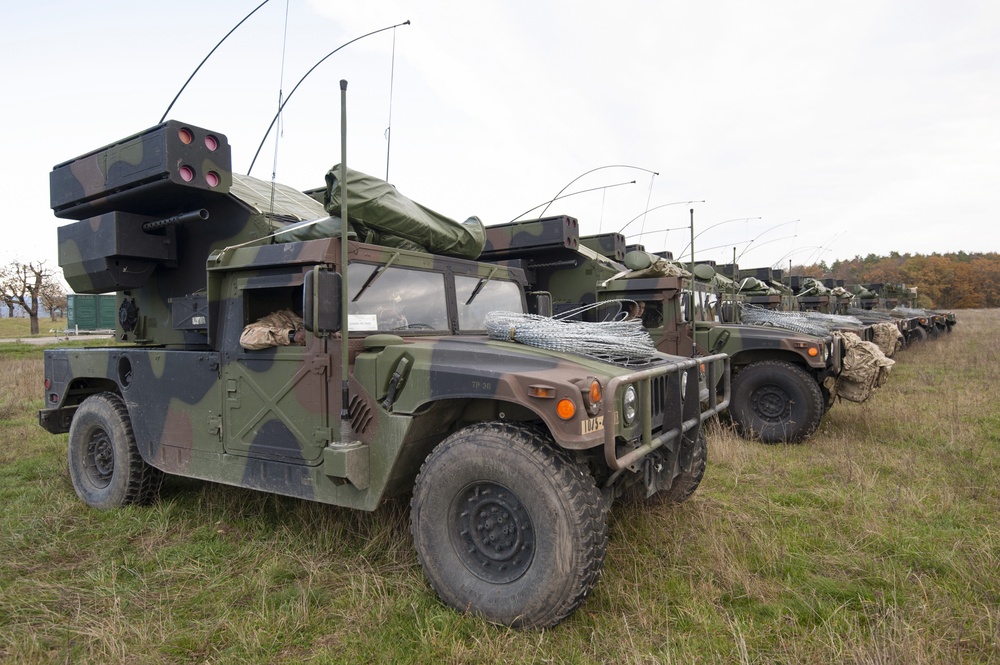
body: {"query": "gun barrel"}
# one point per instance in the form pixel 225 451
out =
pixel 183 218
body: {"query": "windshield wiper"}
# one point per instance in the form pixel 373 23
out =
pixel 479 287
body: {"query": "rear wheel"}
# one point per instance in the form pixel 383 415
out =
pixel 104 463
pixel 776 401
pixel 507 526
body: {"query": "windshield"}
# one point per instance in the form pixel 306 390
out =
pixel 397 299
pixel 493 296
pixel 702 304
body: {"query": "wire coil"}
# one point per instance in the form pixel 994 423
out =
pixel 620 340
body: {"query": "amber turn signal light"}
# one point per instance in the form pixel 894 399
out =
pixel 566 409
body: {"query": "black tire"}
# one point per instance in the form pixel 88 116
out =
pixel 683 485
pixel 776 402
pixel 917 335
pixel 542 522
pixel 104 463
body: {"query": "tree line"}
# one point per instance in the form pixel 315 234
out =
pixel 959 280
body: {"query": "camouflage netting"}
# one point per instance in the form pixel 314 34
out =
pixel 887 337
pixel 864 369
pixel 619 341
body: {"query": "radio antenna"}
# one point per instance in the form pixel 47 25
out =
pixel 289 97
pixel 281 92
pixel 207 57
pixel 388 129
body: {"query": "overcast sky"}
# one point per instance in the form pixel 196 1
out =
pixel 874 123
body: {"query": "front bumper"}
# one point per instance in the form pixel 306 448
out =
pixel 666 411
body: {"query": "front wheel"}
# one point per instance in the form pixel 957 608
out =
pixel 683 485
pixel 104 463
pixel 917 336
pixel 776 401
pixel 507 526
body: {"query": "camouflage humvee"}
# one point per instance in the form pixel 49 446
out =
pixel 897 301
pixel 781 380
pixel 512 453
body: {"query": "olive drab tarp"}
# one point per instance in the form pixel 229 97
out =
pixel 642 264
pixel 381 215
pixel 865 368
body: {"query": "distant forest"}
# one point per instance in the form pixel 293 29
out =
pixel 943 280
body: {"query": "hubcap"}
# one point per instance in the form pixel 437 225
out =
pixel 771 403
pixel 492 532
pixel 99 460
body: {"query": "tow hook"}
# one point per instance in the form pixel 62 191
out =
pixel 651 470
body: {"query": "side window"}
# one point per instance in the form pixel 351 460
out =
pixel 477 298
pixel 258 303
pixel 269 312
pixel 395 299
pixel 652 314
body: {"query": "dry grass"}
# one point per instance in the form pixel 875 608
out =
pixel 874 542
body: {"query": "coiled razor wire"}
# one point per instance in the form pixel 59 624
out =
pixel 835 320
pixel 909 311
pixel 621 340
pixel 810 323
pixel 871 314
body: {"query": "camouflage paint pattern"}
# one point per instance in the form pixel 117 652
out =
pixel 576 275
pixel 204 407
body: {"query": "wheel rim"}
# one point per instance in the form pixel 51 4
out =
pixel 492 532
pixel 771 403
pixel 99 459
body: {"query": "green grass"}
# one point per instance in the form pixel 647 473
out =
pixel 874 542
pixel 17 327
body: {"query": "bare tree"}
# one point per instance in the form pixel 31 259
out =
pixel 23 284
pixel 53 298
pixel 6 299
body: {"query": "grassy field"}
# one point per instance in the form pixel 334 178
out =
pixel 13 328
pixel 877 541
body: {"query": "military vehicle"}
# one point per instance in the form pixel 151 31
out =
pixel 782 382
pixel 512 453
pixel 892 300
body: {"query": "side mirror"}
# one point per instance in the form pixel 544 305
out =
pixel 321 301
pixel 540 303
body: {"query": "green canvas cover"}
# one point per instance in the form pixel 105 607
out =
pixel 379 214
pixel 277 202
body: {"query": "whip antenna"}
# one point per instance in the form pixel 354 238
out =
pixel 207 57
pixel 321 60
pixel 281 88
pixel 388 130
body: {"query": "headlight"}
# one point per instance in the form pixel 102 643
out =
pixel 629 405
pixel 826 352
